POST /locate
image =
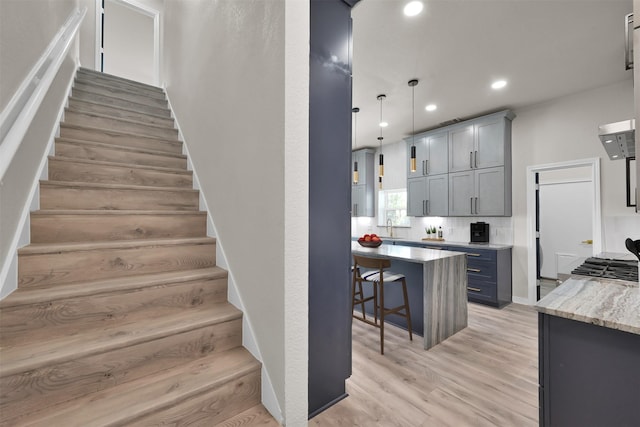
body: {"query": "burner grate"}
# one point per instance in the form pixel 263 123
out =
pixel 608 269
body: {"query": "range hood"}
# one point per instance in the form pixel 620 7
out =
pixel 618 139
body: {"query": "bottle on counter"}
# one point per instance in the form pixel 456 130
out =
pixel 440 232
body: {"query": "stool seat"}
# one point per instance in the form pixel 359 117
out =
pixel 378 277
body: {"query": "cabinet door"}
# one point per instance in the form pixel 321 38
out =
pixel 461 149
pixel 489 143
pixel 416 196
pixel 358 200
pixel 461 193
pixel 489 190
pixel 438 152
pixel 421 157
pixel 438 195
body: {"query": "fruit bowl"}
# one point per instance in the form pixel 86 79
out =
pixel 370 244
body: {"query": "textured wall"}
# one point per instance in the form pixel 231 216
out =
pixel 224 68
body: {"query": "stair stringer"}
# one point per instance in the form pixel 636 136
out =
pixel 269 399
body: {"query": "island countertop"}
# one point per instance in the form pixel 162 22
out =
pixel 404 253
pixel 614 304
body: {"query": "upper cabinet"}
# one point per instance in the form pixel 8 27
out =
pixel 432 151
pixel 462 169
pixel 481 143
pixel 362 192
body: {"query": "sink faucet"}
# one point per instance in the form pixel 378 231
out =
pixel 390 227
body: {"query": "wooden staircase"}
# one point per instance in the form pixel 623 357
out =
pixel 121 315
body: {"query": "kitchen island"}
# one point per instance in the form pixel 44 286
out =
pixel 589 353
pixel 437 288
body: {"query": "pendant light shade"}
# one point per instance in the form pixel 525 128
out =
pixel 356 175
pixel 413 83
pixel 381 156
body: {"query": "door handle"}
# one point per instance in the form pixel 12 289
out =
pixel 587 242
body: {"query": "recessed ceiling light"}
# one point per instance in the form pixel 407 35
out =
pixel 608 141
pixel 498 84
pixel 431 107
pixel 384 124
pixel 614 156
pixel 413 8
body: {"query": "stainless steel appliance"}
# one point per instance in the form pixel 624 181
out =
pixel 608 268
pixel 479 232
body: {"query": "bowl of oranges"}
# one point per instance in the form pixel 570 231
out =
pixel 370 241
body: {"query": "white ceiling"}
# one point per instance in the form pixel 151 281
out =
pixel 455 48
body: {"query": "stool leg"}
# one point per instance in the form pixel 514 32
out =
pixel 381 316
pixel 406 308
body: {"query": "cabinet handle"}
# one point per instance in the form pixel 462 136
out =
pixel 471 202
pixel 427 203
pixel 475 159
pixel 476 205
pixel 424 171
pixel 474 270
pixel 474 289
pixel 426 162
pixel 473 254
pixel 424 211
pixel 471 159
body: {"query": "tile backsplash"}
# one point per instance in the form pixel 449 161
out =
pixel 454 229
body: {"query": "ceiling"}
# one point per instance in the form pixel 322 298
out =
pixel 544 48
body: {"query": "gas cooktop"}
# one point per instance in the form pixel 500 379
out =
pixel 609 269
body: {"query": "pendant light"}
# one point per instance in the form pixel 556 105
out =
pixel 381 156
pixel 413 83
pixel 355 112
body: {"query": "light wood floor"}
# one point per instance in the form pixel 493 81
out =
pixel 486 375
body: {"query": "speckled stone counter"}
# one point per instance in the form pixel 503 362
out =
pixel 610 303
pixel 441 277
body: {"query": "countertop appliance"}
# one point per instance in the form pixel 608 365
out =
pixel 609 268
pixel 618 139
pixel 479 232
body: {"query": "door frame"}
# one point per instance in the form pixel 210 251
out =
pixel 139 8
pixel 594 164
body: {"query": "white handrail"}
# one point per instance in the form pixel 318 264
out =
pixel 21 109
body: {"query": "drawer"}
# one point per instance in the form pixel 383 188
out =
pixel 482 269
pixel 485 255
pixel 479 289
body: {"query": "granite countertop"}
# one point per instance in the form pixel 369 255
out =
pixel 613 304
pixel 404 253
pixel 444 243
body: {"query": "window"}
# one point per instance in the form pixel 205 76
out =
pixel 392 204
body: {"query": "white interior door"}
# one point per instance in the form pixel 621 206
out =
pixel 566 224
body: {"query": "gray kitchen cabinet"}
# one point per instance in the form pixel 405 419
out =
pixel 362 192
pixel 428 196
pixel 432 152
pixel 481 143
pixel 483 192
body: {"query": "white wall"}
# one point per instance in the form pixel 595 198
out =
pixel 26 29
pixel 128 43
pixel 567 129
pixel 225 68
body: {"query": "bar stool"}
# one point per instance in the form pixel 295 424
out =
pixel 378 277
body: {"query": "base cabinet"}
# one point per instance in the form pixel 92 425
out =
pixel 589 375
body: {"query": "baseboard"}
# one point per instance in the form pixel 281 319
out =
pixel 269 399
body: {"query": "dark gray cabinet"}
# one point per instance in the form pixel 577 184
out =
pixel 362 192
pixel 589 375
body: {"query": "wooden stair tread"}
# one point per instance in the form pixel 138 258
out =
pixel 44 212
pixel 113 186
pixel 118 132
pixel 117 164
pixel 107 76
pixel 254 416
pixel 121 86
pixel 118 91
pixel 35 355
pixel 36 295
pixel 119 119
pixel 123 404
pixel 121 147
pixel 83 95
pixel 48 248
pixel 102 104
